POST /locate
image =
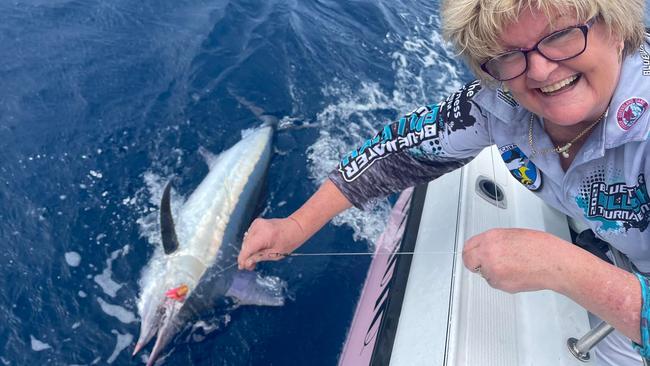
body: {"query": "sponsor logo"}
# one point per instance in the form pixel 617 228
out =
pixel 410 131
pixel 619 202
pixel 521 167
pixel 630 111
pixel 456 110
pixel 507 98
pixel 646 61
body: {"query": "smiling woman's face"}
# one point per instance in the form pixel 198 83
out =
pixel 590 77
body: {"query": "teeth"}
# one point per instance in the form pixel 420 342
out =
pixel 559 84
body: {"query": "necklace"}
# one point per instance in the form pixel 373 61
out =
pixel 563 150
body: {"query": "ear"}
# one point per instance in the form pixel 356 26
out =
pixel 621 49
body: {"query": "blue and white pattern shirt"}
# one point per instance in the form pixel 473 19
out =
pixel 605 186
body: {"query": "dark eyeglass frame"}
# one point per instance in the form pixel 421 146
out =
pixel 525 51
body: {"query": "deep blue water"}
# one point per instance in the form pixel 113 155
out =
pixel 100 101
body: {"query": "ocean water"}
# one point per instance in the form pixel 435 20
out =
pixel 102 101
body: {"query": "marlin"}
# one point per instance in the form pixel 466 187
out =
pixel 196 267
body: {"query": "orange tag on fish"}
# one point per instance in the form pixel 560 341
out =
pixel 177 293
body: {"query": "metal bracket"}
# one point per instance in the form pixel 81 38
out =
pixel 580 347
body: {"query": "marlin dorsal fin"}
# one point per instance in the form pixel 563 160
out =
pixel 167 230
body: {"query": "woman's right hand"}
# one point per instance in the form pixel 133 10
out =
pixel 272 239
pixel 269 239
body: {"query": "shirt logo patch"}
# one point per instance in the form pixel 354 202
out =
pixel 630 111
pixel 456 110
pixel 620 203
pixel 507 98
pixel 521 167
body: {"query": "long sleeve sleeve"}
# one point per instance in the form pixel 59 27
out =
pixel 420 147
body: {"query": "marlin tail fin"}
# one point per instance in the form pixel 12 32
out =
pixel 249 288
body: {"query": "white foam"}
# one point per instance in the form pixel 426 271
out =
pixel 105 280
pixel 96 174
pixel 129 201
pixel 38 346
pixel 73 259
pixel 117 311
pixel 107 284
pixel 123 341
pixel 205 327
pixel 82 294
pixel 76 325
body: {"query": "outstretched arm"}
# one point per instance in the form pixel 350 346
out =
pixel 267 239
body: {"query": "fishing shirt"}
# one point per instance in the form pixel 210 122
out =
pixel 605 186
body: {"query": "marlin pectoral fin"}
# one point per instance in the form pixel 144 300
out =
pixel 248 288
pixel 167 230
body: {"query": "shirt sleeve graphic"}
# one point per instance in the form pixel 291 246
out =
pixel 419 147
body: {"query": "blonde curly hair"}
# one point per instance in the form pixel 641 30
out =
pixel 474 26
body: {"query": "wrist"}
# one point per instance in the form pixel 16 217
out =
pixel 565 268
pixel 297 223
pixel 297 235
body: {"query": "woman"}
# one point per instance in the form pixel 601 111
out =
pixel 563 92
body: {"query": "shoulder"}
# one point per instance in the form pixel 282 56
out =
pixel 630 105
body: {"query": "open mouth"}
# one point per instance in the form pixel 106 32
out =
pixel 560 86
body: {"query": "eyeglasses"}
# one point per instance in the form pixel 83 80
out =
pixel 558 46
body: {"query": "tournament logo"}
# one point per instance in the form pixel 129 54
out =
pixel 630 111
pixel 620 203
pixel 521 167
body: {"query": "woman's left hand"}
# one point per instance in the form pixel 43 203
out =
pixel 516 260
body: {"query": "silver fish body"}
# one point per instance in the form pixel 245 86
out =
pixel 209 227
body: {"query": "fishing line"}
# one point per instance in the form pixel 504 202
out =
pixel 494 178
pixel 225 269
pixel 337 254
